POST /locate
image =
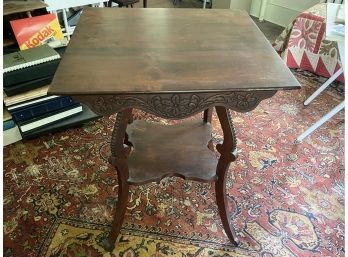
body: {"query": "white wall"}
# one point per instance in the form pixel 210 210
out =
pixel 236 4
pixel 281 12
pixel 241 4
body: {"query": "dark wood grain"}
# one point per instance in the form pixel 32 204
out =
pixel 180 150
pixel 145 50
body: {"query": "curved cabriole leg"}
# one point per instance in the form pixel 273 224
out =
pixel 119 161
pixel 207 115
pixel 228 154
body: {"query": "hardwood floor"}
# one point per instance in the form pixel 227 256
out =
pixel 270 30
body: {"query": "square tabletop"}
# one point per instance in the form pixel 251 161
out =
pixel 124 50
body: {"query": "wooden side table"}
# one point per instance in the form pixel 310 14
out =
pixel 173 63
pixel 12 7
pixel 17 7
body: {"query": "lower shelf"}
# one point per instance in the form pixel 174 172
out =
pixel 178 150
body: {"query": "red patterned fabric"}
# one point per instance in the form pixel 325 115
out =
pixel 302 44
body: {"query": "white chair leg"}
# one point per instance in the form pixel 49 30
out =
pixel 325 85
pixel 66 24
pixel 204 4
pixel 341 50
pixel 320 122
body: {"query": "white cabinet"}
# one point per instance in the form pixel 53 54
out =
pixel 280 12
pixel 54 5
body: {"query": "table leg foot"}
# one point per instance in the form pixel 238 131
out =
pixel 121 207
pixel 228 154
pixel 109 247
pixel 222 204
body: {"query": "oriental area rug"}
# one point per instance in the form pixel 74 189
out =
pixel 60 191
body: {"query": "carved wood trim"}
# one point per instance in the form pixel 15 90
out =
pixel 174 105
pixel 118 135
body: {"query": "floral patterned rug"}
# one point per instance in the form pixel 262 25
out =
pixel 60 192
